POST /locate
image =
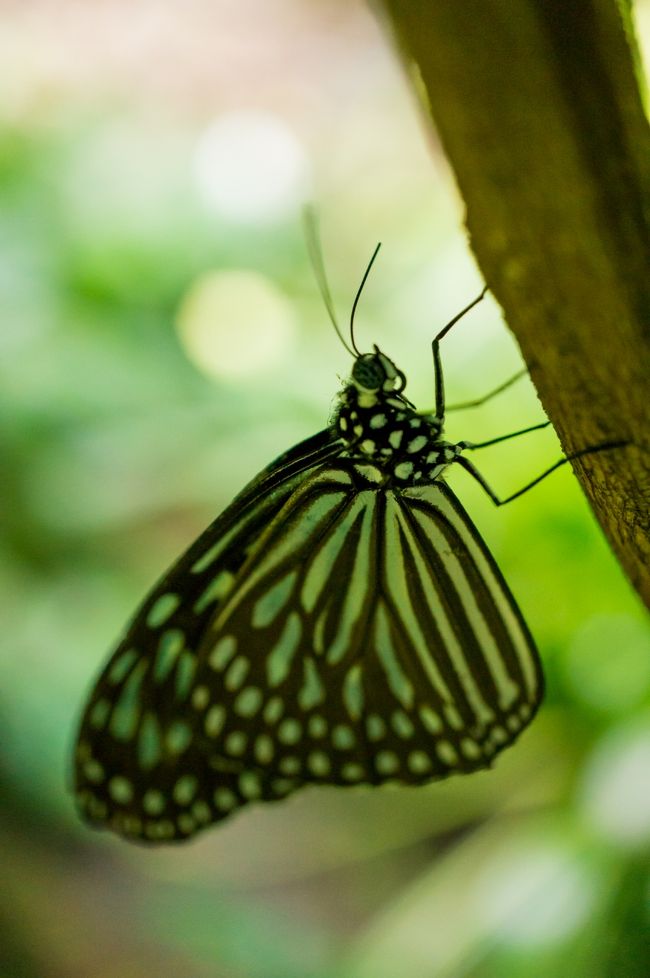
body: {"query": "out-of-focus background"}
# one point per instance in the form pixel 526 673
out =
pixel 161 339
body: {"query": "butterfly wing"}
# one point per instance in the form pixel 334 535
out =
pixel 457 653
pixel 371 638
pixel 137 736
pixel 366 636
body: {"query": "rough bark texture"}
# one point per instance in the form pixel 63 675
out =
pixel 538 107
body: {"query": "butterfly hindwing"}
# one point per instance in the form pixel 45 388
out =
pixel 139 733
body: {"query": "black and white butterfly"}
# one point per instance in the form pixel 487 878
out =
pixel 342 622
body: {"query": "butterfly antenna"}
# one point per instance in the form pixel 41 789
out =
pixel 315 252
pixel 358 296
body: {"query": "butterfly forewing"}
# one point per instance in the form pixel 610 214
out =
pixel 464 631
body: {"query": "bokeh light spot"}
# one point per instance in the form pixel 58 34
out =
pixel 235 323
pixel 536 896
pixel 251 168
pixel 616 786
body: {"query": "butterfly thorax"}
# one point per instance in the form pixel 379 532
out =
pixel 390 441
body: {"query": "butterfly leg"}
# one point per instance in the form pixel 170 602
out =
pixel 437 362
pixel 474 472
pixel 463 405
pixel 471 445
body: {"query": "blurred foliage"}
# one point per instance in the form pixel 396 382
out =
pixel 119 444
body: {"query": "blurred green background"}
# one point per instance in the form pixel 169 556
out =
pixel 162 339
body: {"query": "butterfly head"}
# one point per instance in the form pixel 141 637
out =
pixel 375 373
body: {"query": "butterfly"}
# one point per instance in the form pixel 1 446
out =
pixel 340 623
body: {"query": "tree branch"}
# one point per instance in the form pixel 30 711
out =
pixel 538 107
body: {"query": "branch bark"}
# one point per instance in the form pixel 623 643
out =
pixel 538 107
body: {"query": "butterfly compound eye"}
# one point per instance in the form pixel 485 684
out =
pixel 374 371
pixel 368 372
